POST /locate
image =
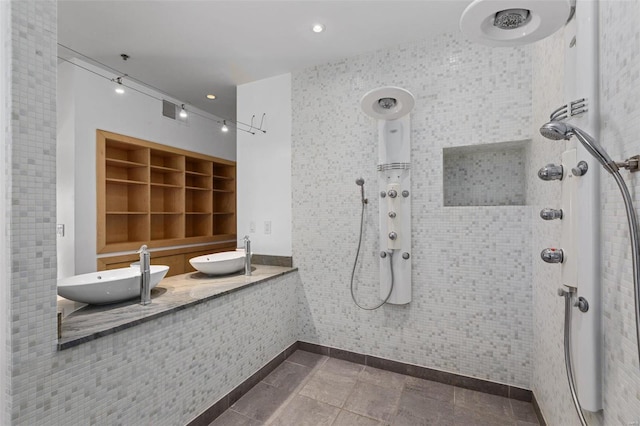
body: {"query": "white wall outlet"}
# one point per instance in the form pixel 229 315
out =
pixel 252 227
pixel 60 230
pixel 267 227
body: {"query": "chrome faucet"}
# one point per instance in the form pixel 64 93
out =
pixel 145 275
pixel 247 256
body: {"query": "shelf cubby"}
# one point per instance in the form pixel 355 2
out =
pixel 197 201
pixel 126 228
pixel 197 224
pixel 224 223
pixel 166 199
pixel 160 195
pixel 122 196
pixel 166 226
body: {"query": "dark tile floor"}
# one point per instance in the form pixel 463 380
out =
pixel 310 389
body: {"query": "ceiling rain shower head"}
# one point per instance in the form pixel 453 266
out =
pixel 513 22
pixel 387 103
pixel 557 130
pixel 511 19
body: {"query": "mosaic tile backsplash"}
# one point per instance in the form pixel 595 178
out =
pixel 471 309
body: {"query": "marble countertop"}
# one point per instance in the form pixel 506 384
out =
pixel 172 294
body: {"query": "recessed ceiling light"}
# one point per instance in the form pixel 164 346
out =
pixel 318 28
pixel 211 96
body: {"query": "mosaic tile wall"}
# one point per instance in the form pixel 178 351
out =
pixel 619 94
pixel 491 176
pixel 164 372
pixel 619 91
pixel 32 185
pixel 471 311
pixel 5 209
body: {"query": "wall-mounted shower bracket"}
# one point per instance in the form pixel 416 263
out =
pixel 632 164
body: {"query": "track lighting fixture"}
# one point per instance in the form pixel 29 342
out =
pixel 139 86
pixel 119 87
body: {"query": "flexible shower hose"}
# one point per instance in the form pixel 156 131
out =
pixel 355 262
pixel 632 220
pixel 567 352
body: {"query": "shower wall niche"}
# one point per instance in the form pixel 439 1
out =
pixel 485 175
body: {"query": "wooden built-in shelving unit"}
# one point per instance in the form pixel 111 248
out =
pixel 161 196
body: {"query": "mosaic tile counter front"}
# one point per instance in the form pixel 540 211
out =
pixel 171 295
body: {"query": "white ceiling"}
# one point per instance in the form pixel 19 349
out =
pixel 191 48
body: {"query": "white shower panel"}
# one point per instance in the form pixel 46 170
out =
pixel 581 81
pixel 394 181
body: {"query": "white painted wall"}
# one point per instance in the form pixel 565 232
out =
pixel 264 166
pixel 88 102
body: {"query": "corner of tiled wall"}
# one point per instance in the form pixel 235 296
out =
pixel 31 154
pixel 620 127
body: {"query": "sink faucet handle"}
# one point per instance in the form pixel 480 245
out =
pixel 246 238
pixel 143 248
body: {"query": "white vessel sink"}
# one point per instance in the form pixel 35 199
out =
pixel 114 285
pixel 223 263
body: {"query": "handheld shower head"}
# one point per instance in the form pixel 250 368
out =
pixel 360 183
pixel 557 130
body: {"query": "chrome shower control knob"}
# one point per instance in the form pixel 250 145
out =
pixel 406 255
pixel 392 215
pixel 393 236
pixel 552 255
pixel 393 193
pixel 405 193
pixel 383 194
pixel 550 214
pixel 550 172
pixel 580 169
pixel 581 304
